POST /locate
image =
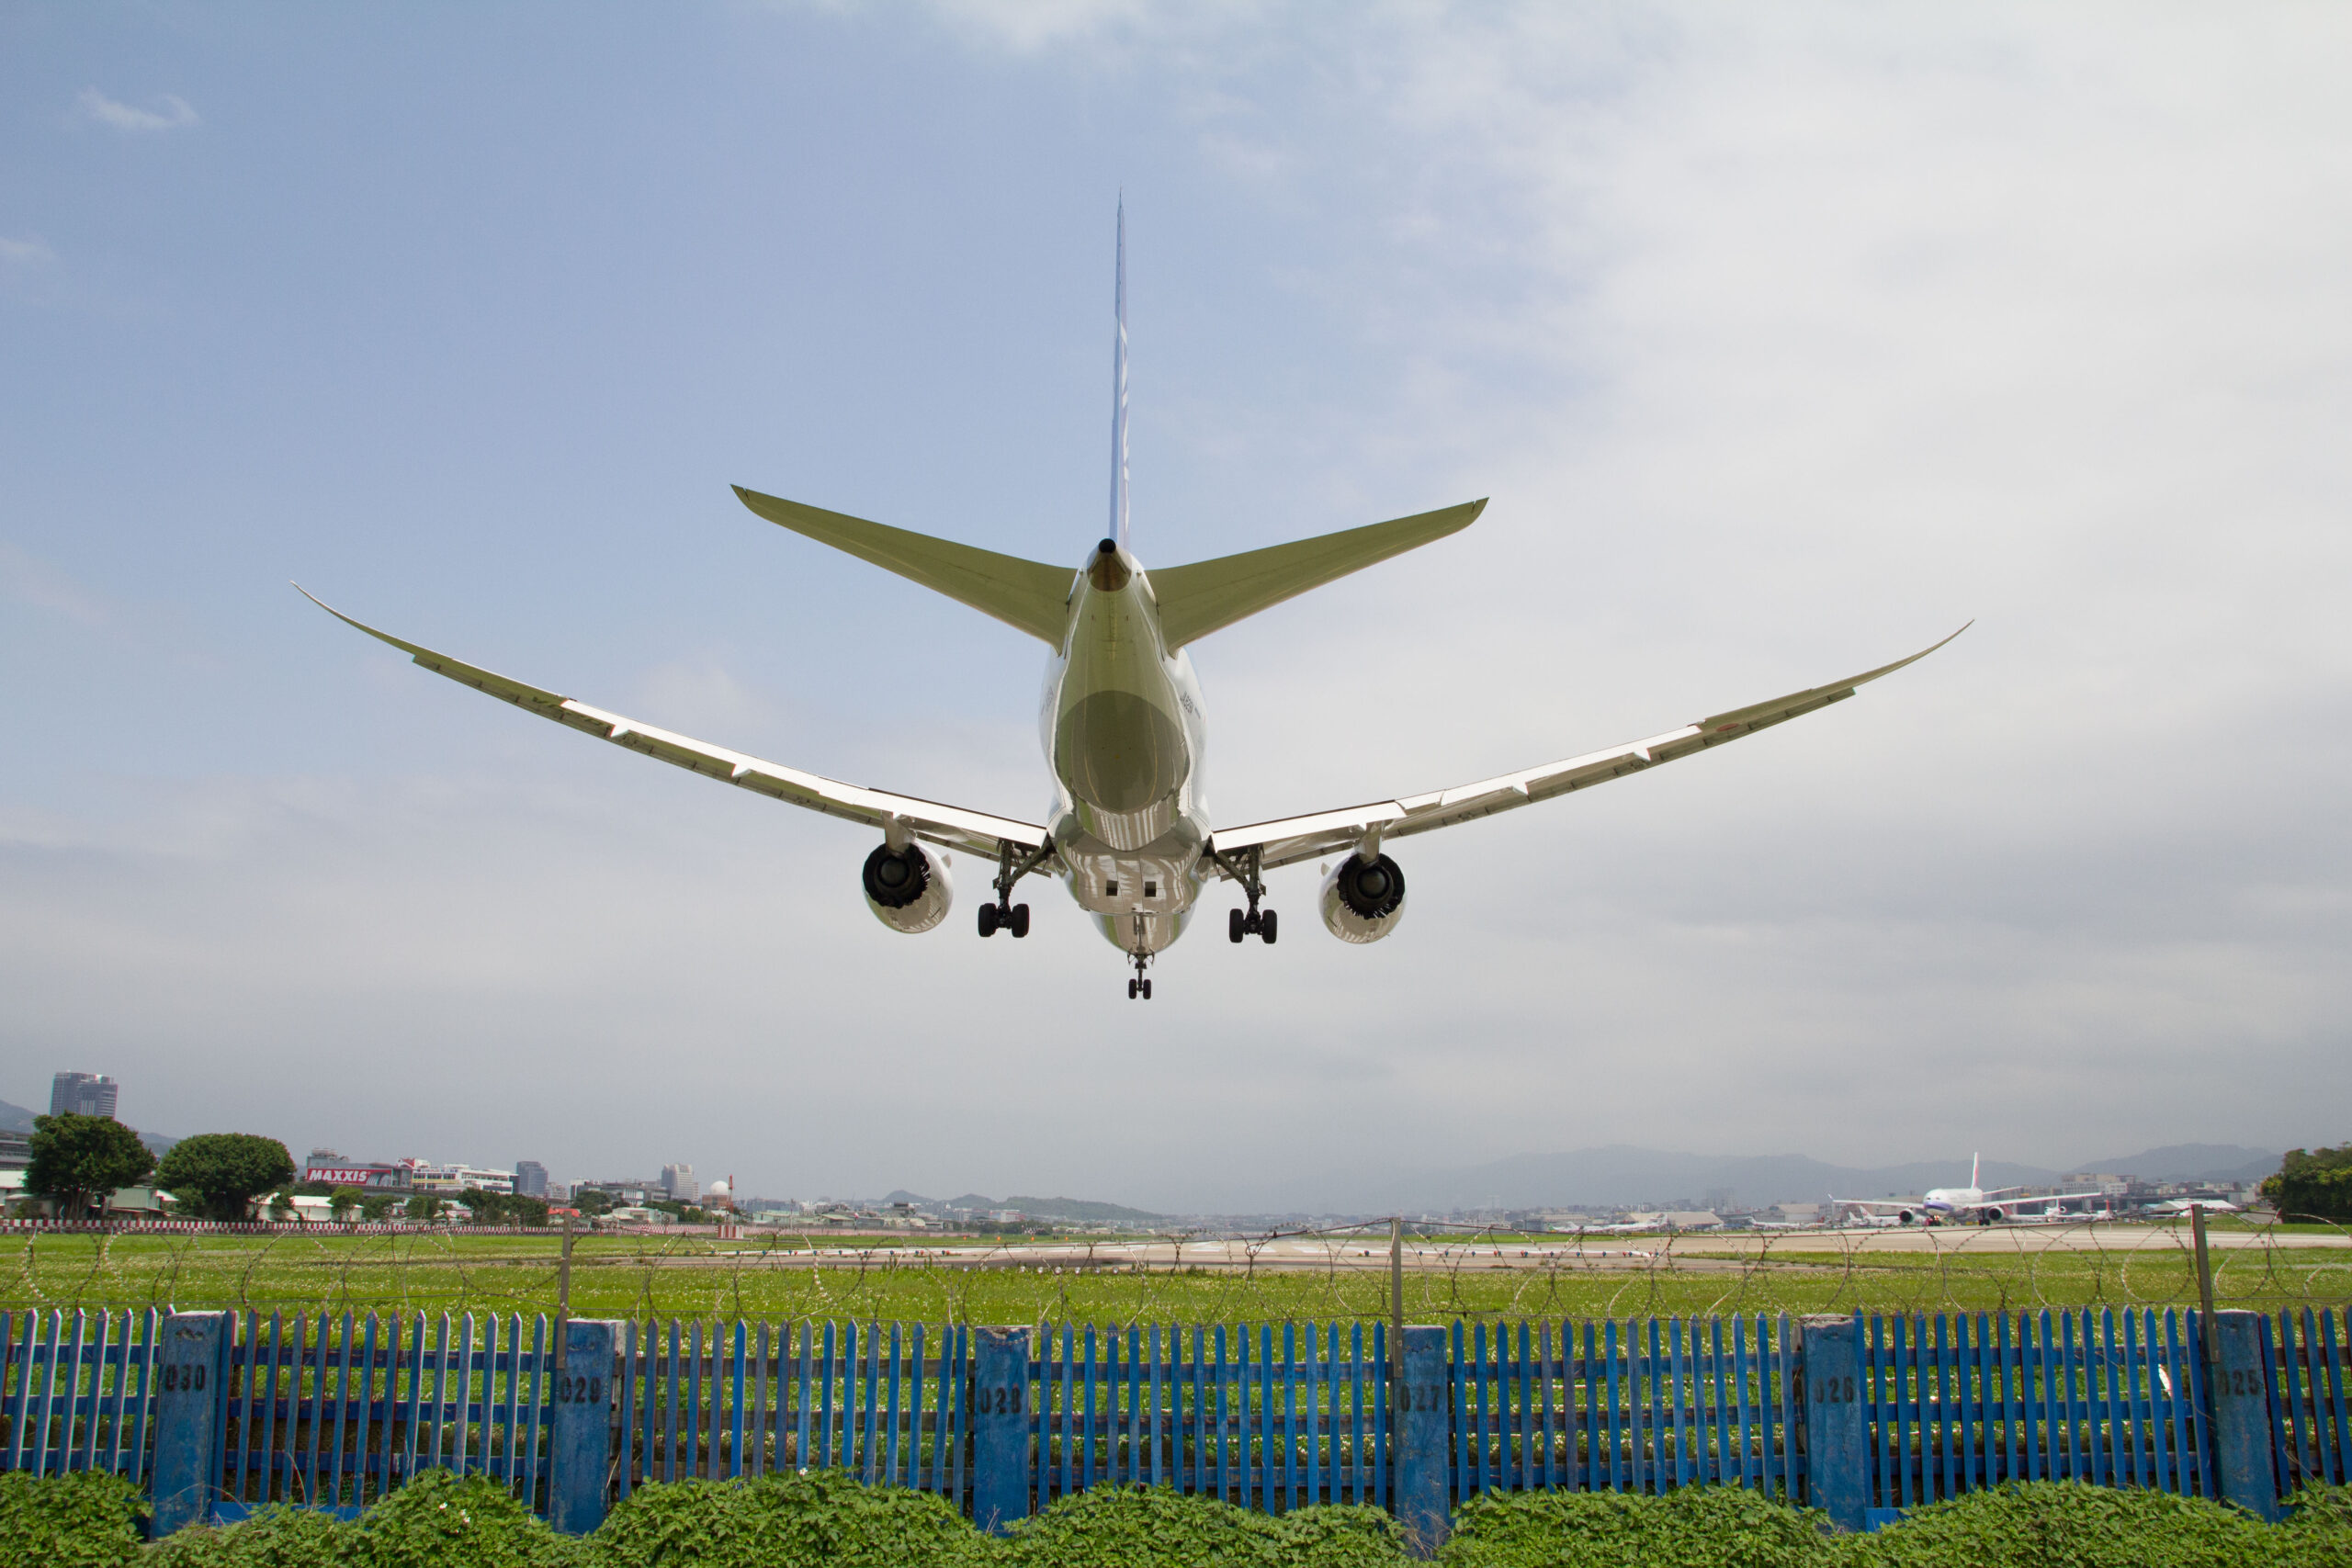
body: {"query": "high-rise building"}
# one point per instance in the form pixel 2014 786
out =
pixel 82 1094
pixel 530 1178
pixel 678 1183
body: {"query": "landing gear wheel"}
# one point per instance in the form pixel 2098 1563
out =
pixel 1131 988
pixel 1236 925
pixel 1147 990
pixel 991 920
pixel 1018 922
pixel 1266 927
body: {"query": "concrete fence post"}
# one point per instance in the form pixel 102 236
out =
pixel 2238 1387
pixel 580 1446
pixel 1422 1440
pixel 999 1427
pixel 1836 1424
pixel 191 1373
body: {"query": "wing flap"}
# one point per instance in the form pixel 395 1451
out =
pixel 976 832
pixel 1289 840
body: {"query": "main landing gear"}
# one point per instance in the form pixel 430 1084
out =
pixel 1004 915
pixel 1245 868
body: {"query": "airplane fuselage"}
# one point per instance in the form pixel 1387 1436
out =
pixel 1122 725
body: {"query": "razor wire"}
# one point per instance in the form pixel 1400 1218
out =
pixel 1332 1273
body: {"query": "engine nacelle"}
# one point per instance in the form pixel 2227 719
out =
pixel 1362 900
pixel 908 890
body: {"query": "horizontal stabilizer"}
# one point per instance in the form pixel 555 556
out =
pixel 1201 598
pixel 1023 593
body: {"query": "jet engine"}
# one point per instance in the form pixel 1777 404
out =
pixel 1364 900
pixel 907 890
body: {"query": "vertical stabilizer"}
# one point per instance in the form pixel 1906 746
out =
pixel 1119 391
pixel 1973 1181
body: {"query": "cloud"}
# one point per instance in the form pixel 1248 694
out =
pixel 176 113
pixel 24 252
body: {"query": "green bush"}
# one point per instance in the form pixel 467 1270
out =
pixel 2320 1531
pixel 437 1521
pixel 1693 1527
pixel 1157 1528
pixel 85 1521
pixel 783 1520
pixel 2066 1524
pixel 271 1537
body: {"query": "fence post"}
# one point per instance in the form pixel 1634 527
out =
pixel 580 1448
pixel 191 1416
pixel 1422 1435
pixel 1837 1428
pixel 999 1427
pixel 2242 1465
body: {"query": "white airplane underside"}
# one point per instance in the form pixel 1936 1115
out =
pixel 1120 719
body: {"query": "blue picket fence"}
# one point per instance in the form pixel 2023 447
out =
pixel 332 1410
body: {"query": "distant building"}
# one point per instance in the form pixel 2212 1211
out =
pixel 82 1094
pixel 15 1150
pixel 678 1183
pixel 325 1156
pixel 427 1177
pixel 530 1178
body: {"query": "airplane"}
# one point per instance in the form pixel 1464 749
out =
pixel 1129 830
pixel 1940 1204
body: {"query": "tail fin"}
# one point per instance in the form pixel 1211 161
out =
pixel 1201 598
pixel 1972 1161
pixel 1119 390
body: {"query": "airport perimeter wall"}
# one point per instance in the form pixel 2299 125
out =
pixel 216 1413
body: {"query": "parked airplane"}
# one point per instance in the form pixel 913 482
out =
pixel 1129 830
pixel 1960 1204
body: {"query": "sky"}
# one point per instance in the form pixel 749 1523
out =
pixel 1784 340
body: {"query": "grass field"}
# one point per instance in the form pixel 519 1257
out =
pixel 622 1276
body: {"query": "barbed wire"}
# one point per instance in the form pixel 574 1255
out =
pixel 1335 1274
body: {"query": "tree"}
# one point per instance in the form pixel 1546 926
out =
pixel 343 1201
pixel 377 1207
pixel 592 1202
pixel 2317 1183
pixel 80 1161
pixel 222 1173
pixel 424 1206
pixel 281 1204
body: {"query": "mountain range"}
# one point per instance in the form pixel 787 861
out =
pixel 17 1118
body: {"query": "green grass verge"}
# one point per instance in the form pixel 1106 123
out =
pixel 698 1278
pixel 92 1521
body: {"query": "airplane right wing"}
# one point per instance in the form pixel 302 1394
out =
pixel 1292 838
pixel 952 826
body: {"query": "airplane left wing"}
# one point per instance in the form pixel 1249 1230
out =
pixel 1292 838
pixel 951 826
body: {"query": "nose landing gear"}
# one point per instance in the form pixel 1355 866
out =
pixel 1141 957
